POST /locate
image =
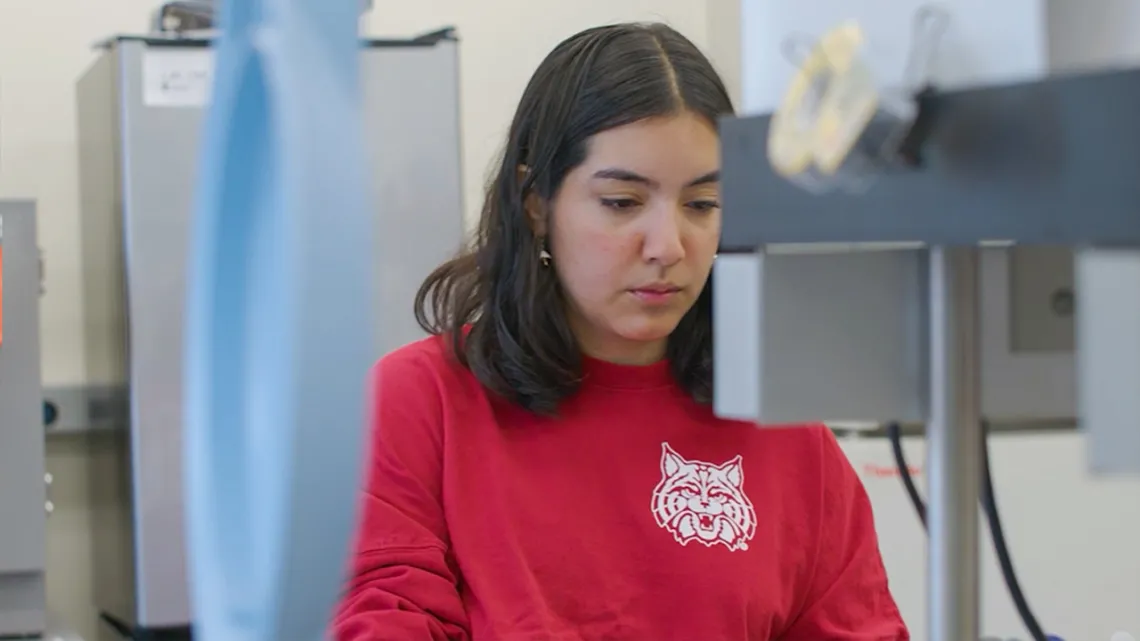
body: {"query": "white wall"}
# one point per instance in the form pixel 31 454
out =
pixel 44 46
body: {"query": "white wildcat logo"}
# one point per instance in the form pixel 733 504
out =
pixel 702 502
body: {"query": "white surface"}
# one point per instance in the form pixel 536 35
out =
pixel 986 42
pixel 1072 537
pixel 177 78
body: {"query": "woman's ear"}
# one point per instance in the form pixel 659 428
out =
pixel 533 205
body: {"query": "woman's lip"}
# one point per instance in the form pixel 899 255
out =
pixel 654 295
pixel 657 290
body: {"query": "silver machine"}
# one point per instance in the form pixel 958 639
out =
pixel 140 108
pixel 941 245
pixel 23 491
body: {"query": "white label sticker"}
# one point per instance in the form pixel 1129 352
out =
pixel 177 77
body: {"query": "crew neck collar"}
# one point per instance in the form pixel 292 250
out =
pixel 615 376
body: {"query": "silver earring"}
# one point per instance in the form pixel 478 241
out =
pixel 544 255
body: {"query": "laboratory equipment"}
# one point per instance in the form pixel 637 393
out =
pixel 865 306
pixel 23 491
pixel 140 107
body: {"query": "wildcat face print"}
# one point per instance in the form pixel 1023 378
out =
pixel 703 502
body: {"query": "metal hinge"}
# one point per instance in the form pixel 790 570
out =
pixel 86 407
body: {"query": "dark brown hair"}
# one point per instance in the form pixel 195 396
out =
pixel 519 342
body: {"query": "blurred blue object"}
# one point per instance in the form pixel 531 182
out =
pixel 279 323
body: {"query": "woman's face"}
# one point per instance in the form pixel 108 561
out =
pixel 634 230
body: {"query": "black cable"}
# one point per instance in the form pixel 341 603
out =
pixel 894 433
pixel 997 534
pixel 122 628
pixel 989 506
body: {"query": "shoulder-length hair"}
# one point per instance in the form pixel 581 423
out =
pixel 505 313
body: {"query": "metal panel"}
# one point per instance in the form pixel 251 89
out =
pixel 1042 304
pixel 22 486
pixel 158 146
pixel 737 347
pixel 106 331
pixel 1011 162
pixel 1108 358
pixel 1017 385
pixel 79 408
pixel 412 95
pixel 842 337
pixel 101 225
pixel 135 255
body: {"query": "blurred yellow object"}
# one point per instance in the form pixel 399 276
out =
pixel 826 109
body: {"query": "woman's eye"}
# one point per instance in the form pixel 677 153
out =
pixel 619 203
pixel 704 205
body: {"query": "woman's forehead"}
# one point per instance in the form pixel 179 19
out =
pixel 666 150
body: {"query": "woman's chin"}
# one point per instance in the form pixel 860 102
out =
pixel 647 330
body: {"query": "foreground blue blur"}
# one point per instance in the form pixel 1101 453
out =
pixel 278 323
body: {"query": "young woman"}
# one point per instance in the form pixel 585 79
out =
pixel 547 466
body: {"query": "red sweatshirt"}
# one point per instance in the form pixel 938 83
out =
pixel 636 515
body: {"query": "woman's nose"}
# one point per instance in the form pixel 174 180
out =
pixel 663 237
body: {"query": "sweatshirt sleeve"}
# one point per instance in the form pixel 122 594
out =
pixel 848 599
pixel 403 581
